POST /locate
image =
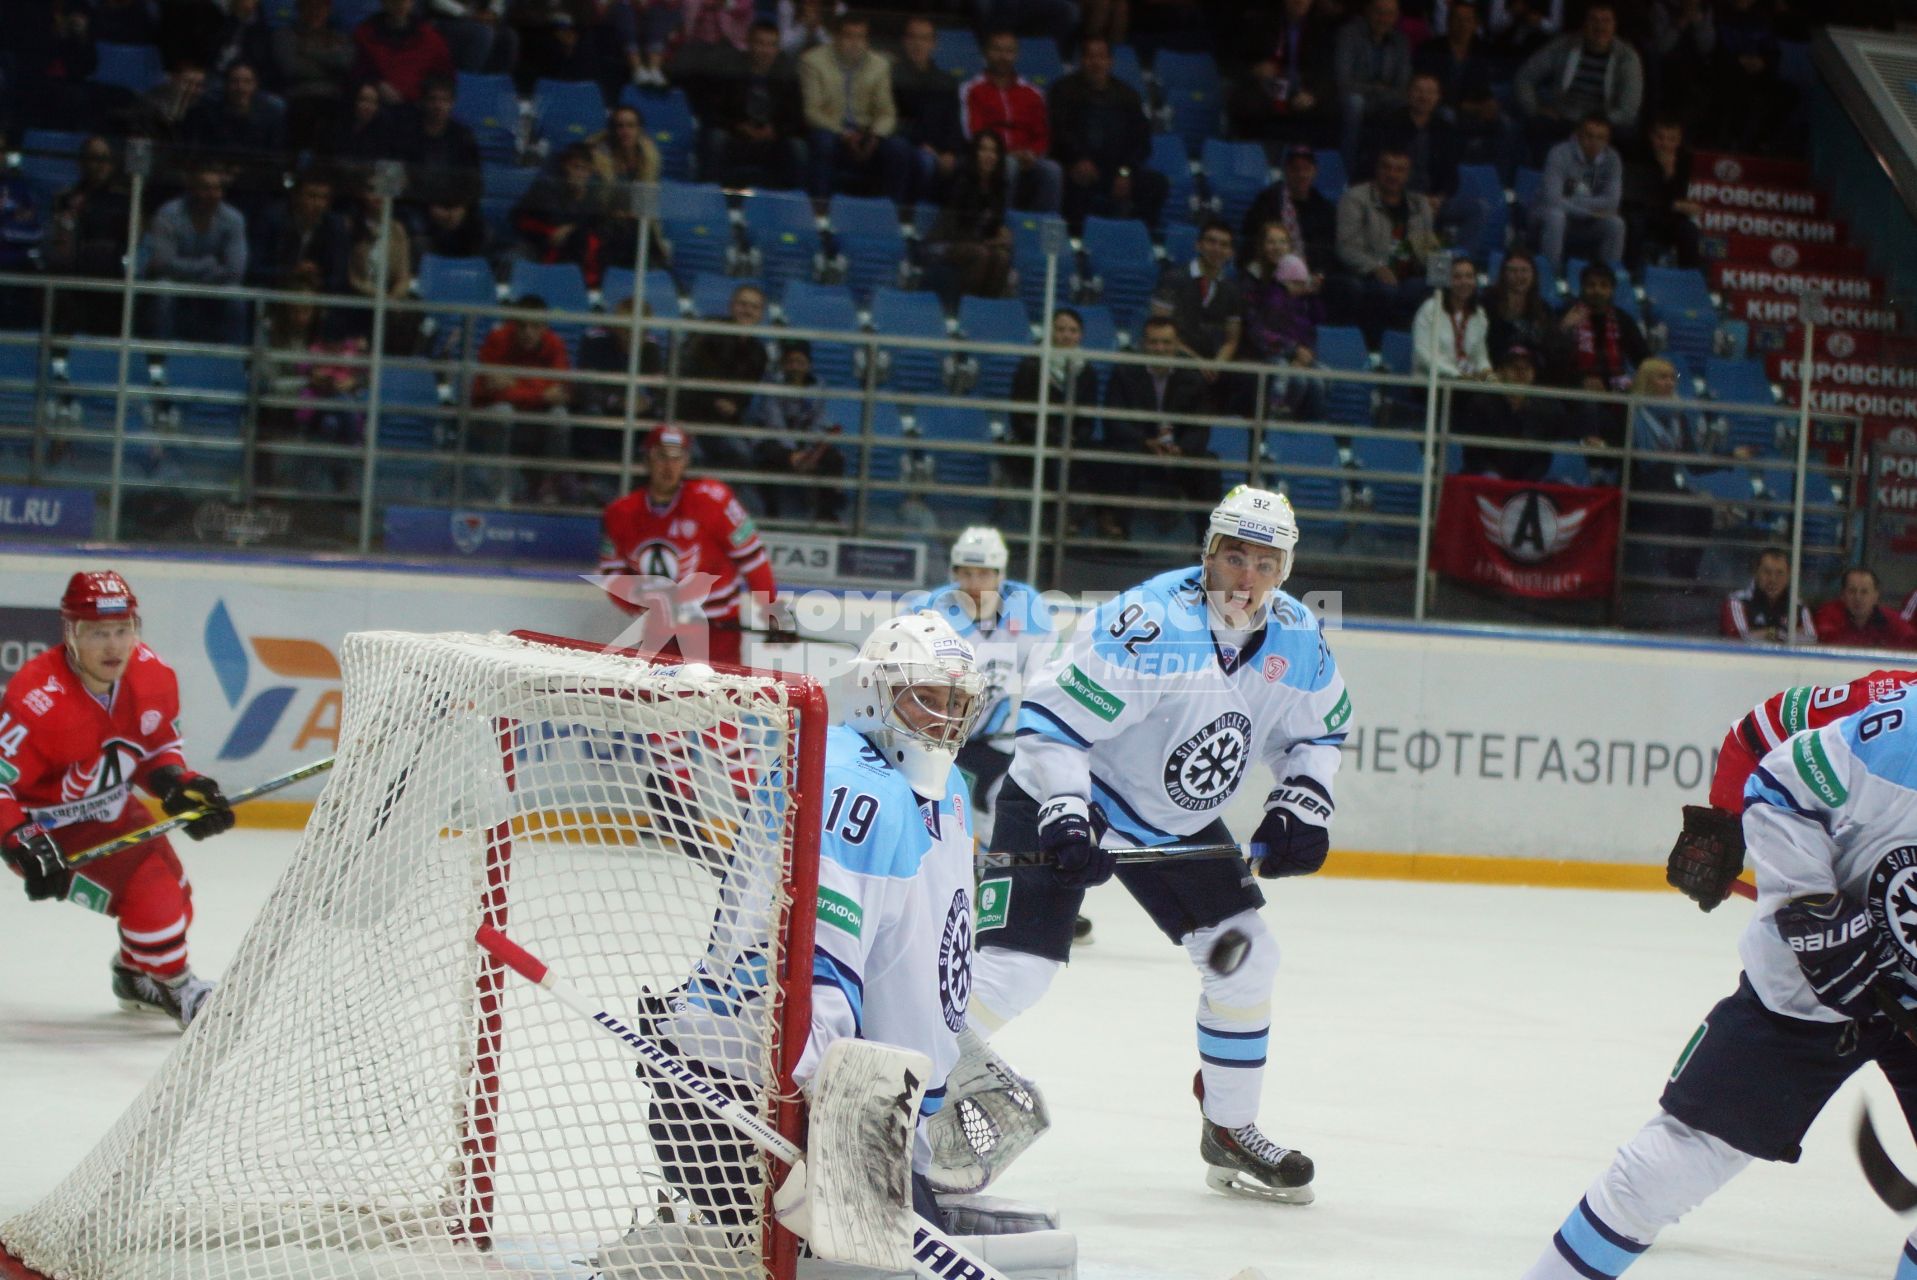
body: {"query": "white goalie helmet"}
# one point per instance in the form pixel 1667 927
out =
pixel 1257 516
pixel 919 692
pixel 980 547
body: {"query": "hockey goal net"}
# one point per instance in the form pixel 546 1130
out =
pixel 366 1096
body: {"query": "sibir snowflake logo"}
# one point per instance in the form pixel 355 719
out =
pixel 302 660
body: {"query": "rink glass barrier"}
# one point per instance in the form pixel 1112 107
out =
pixel 247 441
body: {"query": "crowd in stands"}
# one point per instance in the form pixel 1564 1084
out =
pixel 1382 134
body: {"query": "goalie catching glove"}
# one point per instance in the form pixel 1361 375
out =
pixel 1708 855
pixel 182 792
pixel 991 1114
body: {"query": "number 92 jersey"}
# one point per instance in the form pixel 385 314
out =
pixel 1144 712
pixel 1834 810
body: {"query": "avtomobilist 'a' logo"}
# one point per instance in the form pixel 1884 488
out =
pixel 1529 527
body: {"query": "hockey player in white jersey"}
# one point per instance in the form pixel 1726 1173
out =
pixel 1152 712
pixel 1829 817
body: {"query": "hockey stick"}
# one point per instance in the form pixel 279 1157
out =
pixel 1141 855
pixel 935 1255
pixel 1880 1171
pixel 120 844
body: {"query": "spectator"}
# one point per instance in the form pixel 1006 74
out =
pixel 528 353
pixel 312 63
pixel 87 237
pixel 198 239
pixel 1101 140
pixel 1108 19
pixel 125 22
pixel 625 153
pixel 362 134
pixel 1372 67
pixel 802 25
pixel 999 100
pixel 562 216
pixel 162 114
pixel 454 228
pixel 560 56
pixel 971 237
pixel 21 231
pixel 1384 233
pixel 1055 19
pixel 642 31
pixel 399 52
pixel 1758 612
pixel 1510 417
pixel 242 35
pixel 1309 217
pixel 478 40
pixel 804 442
pixel 245 130
pixel 1660 218
pixel 1420 130
pixel 927 101
pixel 712 35
pixel 1206 306
pixel 847 93
pixel 1155 388
pixel 1282 311
pixel 1663 429
pixel 1072 396
pixel 1517 312
pixel 755 120
pixel 1286 92
pixel 724 357
pixel 1525 27
pixel 364 265
pixel 1751 101
pixel 1856 620
pixel 304 231
pixel 1684 48
pixel 1579 198
pixel 1450 331
pixel 440 152
pixel 1598 348
pixel 607 349
pixel 1466 71
pixel 1578 74
pixel 303 362
pixel 51 58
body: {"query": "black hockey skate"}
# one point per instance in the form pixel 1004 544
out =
pixel 1244 1162
pixel 178 998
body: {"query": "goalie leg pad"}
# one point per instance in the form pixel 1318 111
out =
pixel 991 1115
pixel 1024 1255
pixel 993 1216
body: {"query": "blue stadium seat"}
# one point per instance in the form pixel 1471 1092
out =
pixel 697 226
pixel 1734 382
pixel 995 320
pixel 133 67
pixel 867 234
pixel 830 307
pixel 1395 351
pixel 712 292
pixel 785 233
pixel 462 281
pixel 1481 182
pixel 348 14
pixel 1525 185
pixel 662 294
pixel 1392 497
pixel 401 477
pixel 225 376
pixel 1181 243
pixel 956 50
pixel 1119 252
pixel 561 284
pixel 567 111
pixel 1028 257
pixel 1236 172
pixel 959 466
pixel 1231 444
pixel 1302 449
pixel 1038 62
pixel 19 405
pixel 1126 69
pixel 1342 348
pixel 897 313
pixel 47 176
pixel 1170 158
pixel 1101 327
pixel 1332 178
pixel 487 105
pixel 1681 299
pixel 52 142
pixel 670 123
pixel 501 187
pixel 1193 94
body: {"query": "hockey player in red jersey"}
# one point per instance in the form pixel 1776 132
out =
pixel 685 547
pixel 80 727
pixel 1709 854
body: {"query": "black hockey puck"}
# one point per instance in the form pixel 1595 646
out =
pixel 1228 952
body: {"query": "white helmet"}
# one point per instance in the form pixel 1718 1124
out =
pixel 980 547
pixel 901 656
pixel 1255 515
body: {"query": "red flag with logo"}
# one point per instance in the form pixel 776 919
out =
pixel 1547 541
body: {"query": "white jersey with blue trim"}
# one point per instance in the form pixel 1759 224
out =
pixel 1834 810
pixel 1145 712
pixel 1003 644
pixel 893 959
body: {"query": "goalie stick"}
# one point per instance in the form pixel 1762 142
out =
pixel 935 1255
pixel 119 844
pixel 1126 857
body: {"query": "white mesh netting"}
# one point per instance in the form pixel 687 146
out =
pixel 365 1095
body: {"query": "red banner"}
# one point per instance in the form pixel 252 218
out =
pixel 1547 541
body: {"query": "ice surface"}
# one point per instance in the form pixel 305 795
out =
pixel 1459 1060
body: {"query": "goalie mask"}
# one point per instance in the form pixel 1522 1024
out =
pixel 919 693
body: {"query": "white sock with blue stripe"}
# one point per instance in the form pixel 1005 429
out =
pixel 1907 1262
pixel 1234 1019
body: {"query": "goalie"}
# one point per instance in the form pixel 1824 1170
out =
pixel 893 956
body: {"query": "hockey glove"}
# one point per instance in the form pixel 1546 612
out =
pixel 29 850
pixel 1289 842
pixel 1841 951
pixel 1065 837
pixel 1708 855
pixel 182 792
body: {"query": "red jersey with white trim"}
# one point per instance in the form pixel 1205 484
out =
pixel 703 532
pixel 1779 716
pixel 66 759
